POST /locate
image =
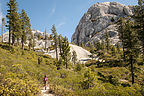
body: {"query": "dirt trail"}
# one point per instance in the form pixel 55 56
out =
pixel 46 92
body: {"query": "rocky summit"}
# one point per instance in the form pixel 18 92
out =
pixel 99 19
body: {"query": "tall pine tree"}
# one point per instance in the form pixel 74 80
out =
pixel 65 52
pixel 12 19
pixel 26 27
pixel 121 32
pixel 55 38
pixel 131 43
pixel 107 41
pixel 139 23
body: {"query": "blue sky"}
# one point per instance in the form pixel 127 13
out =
pixel 65 14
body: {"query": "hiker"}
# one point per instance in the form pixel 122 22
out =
pixel 45 81
pixel 39 60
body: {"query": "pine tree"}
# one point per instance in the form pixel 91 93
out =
pixel 131 46
pixel 118 47
pixel 46 37
pixel 55 36
pixel 65 52
pixel 39 36
pixel 97 45
pixel 121 32
pixel 59 63
pixel 113 50
pixel 18 29
pixel 30 43
pixel 30 38
pixel 139 22
pixel 74 57
pixel 3 24
pixel 26 27
pixel 60 38
pixel 82 45
pixel 33 41
pixel 107 41
pixel 12 19
pixel 102 45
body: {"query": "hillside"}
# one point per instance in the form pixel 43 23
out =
pixel 20 74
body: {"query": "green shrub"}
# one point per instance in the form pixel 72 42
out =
pixel 78 67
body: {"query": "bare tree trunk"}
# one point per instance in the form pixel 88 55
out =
pixel 22 42
pixel 2 33
pixel 56 53
pixel 45 40
pixel 9 38
pixel 13 39
pixel 132 73
pixel 18 41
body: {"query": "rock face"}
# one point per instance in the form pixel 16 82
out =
pixel 99 19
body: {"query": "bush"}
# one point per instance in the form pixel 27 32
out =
pixel 61 91
pixel 19 87
pixel 78 67
pixel 91 62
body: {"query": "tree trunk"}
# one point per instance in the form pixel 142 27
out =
pixel 9 38
pixel 132 73
pixel 56 53
pixel 45 45
pixel 66 64
pixel 2 33
pixel 13 39
pixel 22 42
pixel 18 41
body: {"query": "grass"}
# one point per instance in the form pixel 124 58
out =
pixel 20 74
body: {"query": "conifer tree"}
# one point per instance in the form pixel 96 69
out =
pixel 82 45
pixel 139 22
pixel 33 41
pixel 60 38
pixel 59 63
pixel 121 32
pixel 12 19
pixel 131 46
pixel 107 41
pixel 30 41
pixel 113 50
pixel 39 36
pixel 18 29
pixel 26 27
pixel 65 52
pixel 97 45
pixel 102 45
pixel 3 24
pixel 74 57
pixel 46 37
pixel 55 36
pixel 118 47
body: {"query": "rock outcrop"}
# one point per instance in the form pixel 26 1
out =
pixel 38 43
pixel 82 54
pixel 99 19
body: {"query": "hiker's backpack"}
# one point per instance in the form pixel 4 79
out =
pixel 45 79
